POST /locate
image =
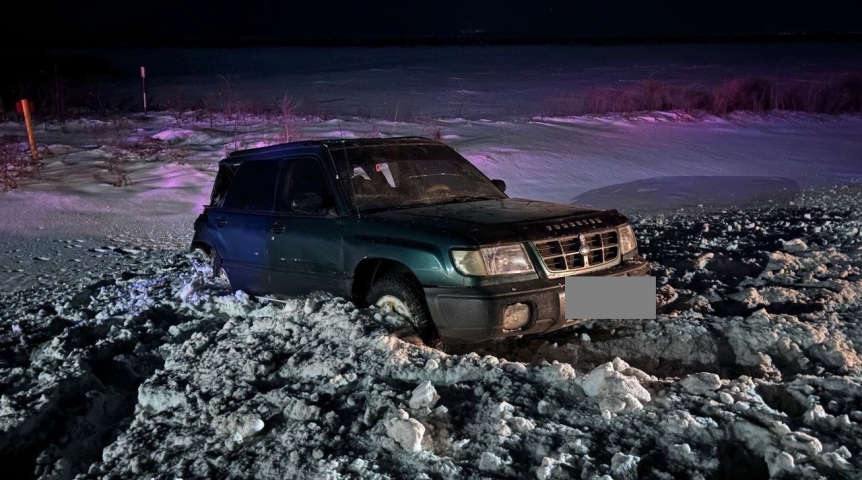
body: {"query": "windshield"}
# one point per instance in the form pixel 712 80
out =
pixel 398 176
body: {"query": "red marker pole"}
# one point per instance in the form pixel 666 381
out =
pixel 24 107
pixel 144 87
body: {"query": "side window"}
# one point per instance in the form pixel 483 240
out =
pixel 302 188
pixel 221 185
pixel 253 186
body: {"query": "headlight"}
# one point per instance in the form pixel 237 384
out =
pixel 628 242
pixel 503 260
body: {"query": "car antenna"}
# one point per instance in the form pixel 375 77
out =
pixel 340 131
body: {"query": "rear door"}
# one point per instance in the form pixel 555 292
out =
pixel 242 225
pixel 305 246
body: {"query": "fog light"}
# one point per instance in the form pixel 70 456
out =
pixel 516 316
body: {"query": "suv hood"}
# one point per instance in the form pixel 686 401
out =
pixel 505 220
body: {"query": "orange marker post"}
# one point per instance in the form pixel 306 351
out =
pixel 24 107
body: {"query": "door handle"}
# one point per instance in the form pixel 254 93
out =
pixel 277 228
pixel 221 222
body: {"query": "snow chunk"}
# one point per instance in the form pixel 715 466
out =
pixel 838 459
pixel 680 424
pixel 624 466
pixel 157 399
pixel 490 462
pixel 174 134
pixel 802 442
pixel 190 288
pixel 594 381
pixel 815 415
pixel 550 466
pixel 835 353
pixel 424 396
pixel 522 424
pixel 297 409
pixel 756 438
pixel 779 462
pixel 605 381
pixel 795 245
pixel 620 403
pixel 408 432
pixel 701 261
pixel 751 298
pixel 701 383
pixel 556 373
pixel 239 426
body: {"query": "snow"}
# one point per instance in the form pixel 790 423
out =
pixel 315 387
pixel 701 383
pixel 120 356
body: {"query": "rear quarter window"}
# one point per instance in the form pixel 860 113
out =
pixel 253 186
pixel 221 185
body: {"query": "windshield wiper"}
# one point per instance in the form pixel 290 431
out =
pixel 396 207
pixel 456 199
pixel 469 198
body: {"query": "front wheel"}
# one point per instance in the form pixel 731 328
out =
pixel 404 296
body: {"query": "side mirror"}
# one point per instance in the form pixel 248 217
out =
pixel 501 185
pixel 306 203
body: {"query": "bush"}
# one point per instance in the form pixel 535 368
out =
pixel 15 163
pixel 842 94
pixel 752 94
pixel 834 95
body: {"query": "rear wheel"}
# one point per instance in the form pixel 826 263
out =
pixel 404 296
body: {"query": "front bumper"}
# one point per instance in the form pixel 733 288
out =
pixel 469 315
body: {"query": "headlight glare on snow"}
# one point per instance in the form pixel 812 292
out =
pixel 501 260
pixel 628 242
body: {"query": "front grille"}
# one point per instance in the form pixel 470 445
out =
pixel 562 255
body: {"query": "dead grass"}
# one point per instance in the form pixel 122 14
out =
pixel 288 120
pixel 834 95
pixel 16 164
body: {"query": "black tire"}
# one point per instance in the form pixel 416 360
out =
pixel 405 288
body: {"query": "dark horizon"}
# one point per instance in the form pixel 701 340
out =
pixel 160 23
pixel 430 41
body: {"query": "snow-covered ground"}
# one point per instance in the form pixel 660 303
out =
pixel 121 358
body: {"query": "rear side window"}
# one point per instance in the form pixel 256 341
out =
pixel 253 186
pixel 302 176
pixel 222 184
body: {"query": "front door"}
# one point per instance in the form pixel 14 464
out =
pixel 305 241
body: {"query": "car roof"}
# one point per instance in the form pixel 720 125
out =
pixel 283 149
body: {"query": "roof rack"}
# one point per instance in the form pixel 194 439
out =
pixel 284 148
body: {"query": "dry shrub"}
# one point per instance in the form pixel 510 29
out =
pixel 751 94
pixel 836 94
pixel 842 94
pixel 286 117
pixel 696 100
pixel 15 163
pixel 652 95
pixel 656 95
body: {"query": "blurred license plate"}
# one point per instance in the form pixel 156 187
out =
pixel 593 298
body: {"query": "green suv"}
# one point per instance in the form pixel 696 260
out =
pixel 410 224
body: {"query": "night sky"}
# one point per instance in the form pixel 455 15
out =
pixel 167 22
